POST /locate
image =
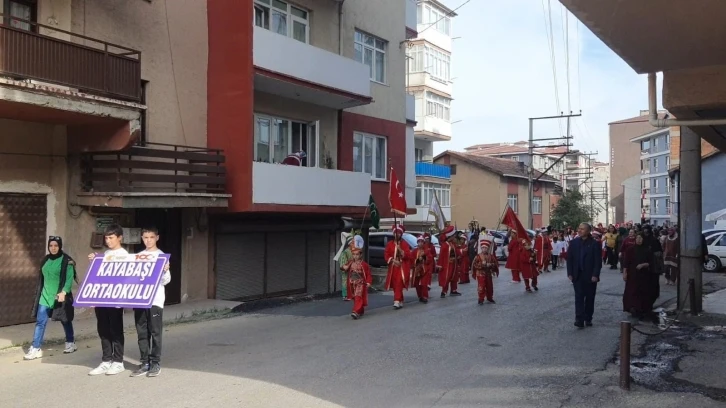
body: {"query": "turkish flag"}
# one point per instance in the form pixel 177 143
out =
pixel 510 220
pixel 396 195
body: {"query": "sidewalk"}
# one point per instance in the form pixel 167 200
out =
pixel 84 324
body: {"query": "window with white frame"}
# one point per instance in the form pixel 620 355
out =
pixel 655 186
pixel 655 165
pixel 283 18
pixel 370 155
pixel 438 106
pixel 419 154
pixel 515 158
pixel 512 202
pixel 435 62
pixel 276 138
pixel 425 194
pixel 536 205
pixel 371 51
pixel 426 14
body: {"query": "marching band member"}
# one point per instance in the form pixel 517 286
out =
pixel 528 265
pixel 359 278
pixel 397 256
pixel 484 266
pixel 513 250
pixel 463 263
pixel 423 268
pixel 448 269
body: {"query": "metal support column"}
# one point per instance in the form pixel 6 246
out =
pixel 690 219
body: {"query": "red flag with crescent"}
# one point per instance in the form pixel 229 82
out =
pixel 396 195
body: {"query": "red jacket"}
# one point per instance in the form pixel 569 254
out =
pixel 405 269
pixel 448 268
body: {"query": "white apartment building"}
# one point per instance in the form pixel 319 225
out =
pixel 429 83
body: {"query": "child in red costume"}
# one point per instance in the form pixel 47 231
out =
pixel 359 278
pixel 484 266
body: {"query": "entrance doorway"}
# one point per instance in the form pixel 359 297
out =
pixel 168 222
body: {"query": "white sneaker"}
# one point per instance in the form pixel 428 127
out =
pixel 33 353
pixel 101 369
pixel 70 348
pixel 116 368
pixel 397 305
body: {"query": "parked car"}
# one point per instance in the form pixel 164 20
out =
pixel 716 244
pixel 434 240
pixel 377 242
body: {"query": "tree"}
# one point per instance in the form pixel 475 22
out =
pixel 571 210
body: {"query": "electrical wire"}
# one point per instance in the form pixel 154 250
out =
pixel 445 15
pixel 567 54
pixel 173 74
pixel 553 61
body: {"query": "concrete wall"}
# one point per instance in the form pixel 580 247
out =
pixel 476 193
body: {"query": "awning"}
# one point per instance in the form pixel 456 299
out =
pixel 716 216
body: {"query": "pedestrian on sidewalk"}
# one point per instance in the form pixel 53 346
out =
pixel 397 255
pixel 611 242
pixel 484 266
pixel 150 322
pixel 584 262
pixel 638 297
pixel 557 248
pixel 53 297
pixel 110 320
pixel 359 278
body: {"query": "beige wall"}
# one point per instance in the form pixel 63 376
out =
pixel 304 112
pixel 384 19
pixel 476 194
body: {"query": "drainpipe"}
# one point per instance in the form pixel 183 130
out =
pixel 662 123
pixel 340 27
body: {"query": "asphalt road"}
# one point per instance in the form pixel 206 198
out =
pixel 522 352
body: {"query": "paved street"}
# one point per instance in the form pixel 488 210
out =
pixel 521 352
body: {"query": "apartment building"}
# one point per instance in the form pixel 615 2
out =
pixel 430 87
pixel 177 114
pixel 320 76
pixel 103 111
pixel 655 183
pixel 599 192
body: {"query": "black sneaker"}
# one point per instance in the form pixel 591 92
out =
pixel 492 301
pixel 588 323
pixel 579 324
pixel 443 295
pixel 154 370
pixel 454 293
pixel 536 289
pixel 481 302
pixel 142 370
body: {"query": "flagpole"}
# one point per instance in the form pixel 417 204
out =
pixel 502 216
pixel 363 221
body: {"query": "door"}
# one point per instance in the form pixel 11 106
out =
pixel 22 247
pixel 169 224
pixel 240 266
pixel 313 144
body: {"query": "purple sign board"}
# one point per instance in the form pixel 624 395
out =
pixel 129 281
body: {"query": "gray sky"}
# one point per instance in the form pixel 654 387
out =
pixel 503 75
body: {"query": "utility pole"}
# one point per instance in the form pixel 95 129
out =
pixel 530 171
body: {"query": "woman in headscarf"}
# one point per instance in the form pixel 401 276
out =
pixel 53 298
pixel 628 242
pixel 637 274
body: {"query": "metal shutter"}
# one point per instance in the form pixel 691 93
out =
pixel 285 262
pixel 318 262
pixel 22 247
pixel 240 266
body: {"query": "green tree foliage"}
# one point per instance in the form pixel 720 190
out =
pixel 571 210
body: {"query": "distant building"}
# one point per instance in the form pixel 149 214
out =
pixel 632 205
pixel 655 184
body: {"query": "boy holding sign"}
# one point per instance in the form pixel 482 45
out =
pixel 110 320
pixel 149 322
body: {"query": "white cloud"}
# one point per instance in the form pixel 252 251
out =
pixel 503 75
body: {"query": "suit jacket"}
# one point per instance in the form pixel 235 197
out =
pixel 584 259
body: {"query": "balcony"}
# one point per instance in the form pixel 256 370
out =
pixel 154 175
pixel 308 186
pixel 94 67
pixel 426 169
pixel 433 129
pixel 295 70
pixel 421 80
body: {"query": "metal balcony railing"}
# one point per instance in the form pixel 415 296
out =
pixel 155 167
pixel 433 170
pixel 88 64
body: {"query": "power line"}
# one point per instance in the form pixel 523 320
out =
pixel 567 53
pixel 579 81
pixel 444 16
pixel 553 60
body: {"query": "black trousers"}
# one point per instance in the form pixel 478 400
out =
pixel 110 326
pixel 585 291
pixel 149 327
pixel 612 257
pixel 555 258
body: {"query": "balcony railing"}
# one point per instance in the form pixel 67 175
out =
pixel 155 167
pixel 433 170
pixel 88 64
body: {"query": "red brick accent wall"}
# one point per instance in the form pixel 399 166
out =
pixel 395 133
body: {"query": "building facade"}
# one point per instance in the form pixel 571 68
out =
pixel 599 185
pixel 177 115
pixel 632 199
pixel 483 186
pixel 655 184
pixel 429 85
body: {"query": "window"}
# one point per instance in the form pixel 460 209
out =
pixel 655 165
pixel 433 16
pixel 23 10
pixel 371 51
pixel 282 18
pixel 655 186
pixel 369 155
pixel 512 201
pixel 276 138
pixel 656 205
pixel 644 185
pixel 438 106
pixel 515 158
pixel 644 145
pixel 536 205
pixel 425 194
pixel 668 162
pixel 713 238
pixel 655 143
pixel 435 62
pixel 419 155
pixel 722 241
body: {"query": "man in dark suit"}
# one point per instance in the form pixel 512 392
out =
pixel 584 260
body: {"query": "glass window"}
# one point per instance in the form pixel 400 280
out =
pixel 282 18
pixel 438 106
pixel 512 201
pixel 371 51
pixel 425 192
pixel 263 127
pixel 276 138
pixel 722 241
pixel 369 155
pixel 23 11
pixel 536 205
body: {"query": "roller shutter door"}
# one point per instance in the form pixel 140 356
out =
pixel 240 262
pixel 22 247
pixel 319 258
pixel 285 262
